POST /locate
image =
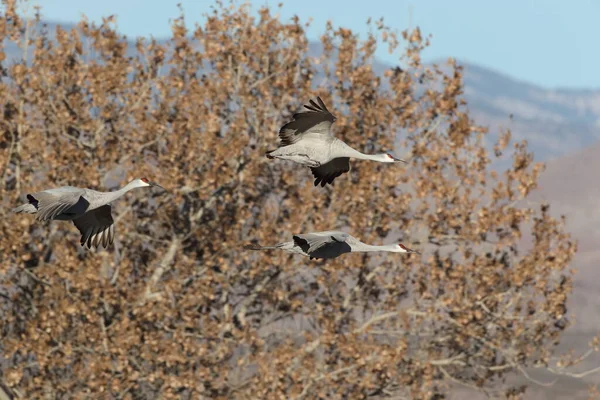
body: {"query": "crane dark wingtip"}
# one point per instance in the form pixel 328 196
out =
pixel 322 104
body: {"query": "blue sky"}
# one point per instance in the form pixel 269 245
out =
pixel 552 43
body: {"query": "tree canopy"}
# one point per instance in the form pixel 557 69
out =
pixel 177 308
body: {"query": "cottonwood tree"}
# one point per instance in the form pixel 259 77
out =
pixel 177 308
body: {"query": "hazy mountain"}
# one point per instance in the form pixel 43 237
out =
pixel 554 122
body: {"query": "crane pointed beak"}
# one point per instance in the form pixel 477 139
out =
pixel 157 185
pixel 395 159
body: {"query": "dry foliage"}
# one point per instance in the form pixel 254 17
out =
pixel 177 309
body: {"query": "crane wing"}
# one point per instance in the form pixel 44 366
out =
pixel 319 241
pixel 52 203
pixel 96 227
pixel 317 120
pixel 327 172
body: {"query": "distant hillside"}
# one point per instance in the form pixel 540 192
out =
pixel 554 122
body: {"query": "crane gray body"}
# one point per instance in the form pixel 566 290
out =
pixel 329 244
pixel 89 209
pixel 307 140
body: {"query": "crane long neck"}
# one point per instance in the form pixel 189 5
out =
pixel 363 247
pixel 350 152
pixel 107 197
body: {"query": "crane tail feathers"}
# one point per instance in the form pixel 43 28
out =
pixel 253 246
pixel 268 154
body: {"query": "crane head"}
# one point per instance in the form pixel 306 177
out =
pixel 394 159
pixel 147 182
pixel 405 249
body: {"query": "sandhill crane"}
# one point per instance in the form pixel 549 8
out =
pixel 329 244
pixel 307 140
pixel 89 210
